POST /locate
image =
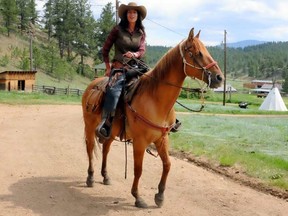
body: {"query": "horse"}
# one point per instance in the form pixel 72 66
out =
pixel 150 115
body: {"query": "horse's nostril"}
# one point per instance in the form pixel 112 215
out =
pixel 219 77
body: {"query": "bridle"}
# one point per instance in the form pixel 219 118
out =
pixel 205 70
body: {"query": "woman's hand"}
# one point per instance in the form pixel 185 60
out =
pixel 108 69
pixel 107 72
pixel 129 54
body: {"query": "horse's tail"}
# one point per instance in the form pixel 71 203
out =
pixel 95 148
pixel 92 101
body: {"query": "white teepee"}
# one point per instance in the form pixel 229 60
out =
pixel 273 101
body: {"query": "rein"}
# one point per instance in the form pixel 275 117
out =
pixel 205 70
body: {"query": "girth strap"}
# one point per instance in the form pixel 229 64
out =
pixel 164 130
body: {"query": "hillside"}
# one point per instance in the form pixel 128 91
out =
pixel 245 43
pixel 264 61
pixel 15 48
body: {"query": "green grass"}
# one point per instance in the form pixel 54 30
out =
pixel 36 98
pixel 213 104
pixel 258 144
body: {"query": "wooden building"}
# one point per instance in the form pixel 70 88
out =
pixel 17 80
pixel 257 83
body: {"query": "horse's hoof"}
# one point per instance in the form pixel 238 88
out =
pixel 90 182
pixel 140 203
pixel 159 199
pixel 106 181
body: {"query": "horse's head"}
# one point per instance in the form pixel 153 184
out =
pixel 198 63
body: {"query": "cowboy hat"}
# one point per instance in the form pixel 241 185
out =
pixel 132 6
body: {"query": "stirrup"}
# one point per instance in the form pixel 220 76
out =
pixel 176 126
pixel 103 130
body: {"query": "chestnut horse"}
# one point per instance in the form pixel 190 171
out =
pixel 150 115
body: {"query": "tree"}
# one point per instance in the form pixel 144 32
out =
pixel 9 13
pixel 84 42
pixel 48 18
pixel 64 16
pixel 33 15
pixel 105 23
pixel 285 84
pixel 23 12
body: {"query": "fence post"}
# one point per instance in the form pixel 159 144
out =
pixel 68 90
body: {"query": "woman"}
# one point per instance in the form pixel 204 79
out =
pixel 128 38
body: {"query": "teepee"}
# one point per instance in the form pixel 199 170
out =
pixel 273 101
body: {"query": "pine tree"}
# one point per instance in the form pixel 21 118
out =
pixel 105 23
pixel 9 13
pixel 32 11
pixel 84 42
pixel 64 22
pixel 285 85
pixel 23 12
pixel 48 18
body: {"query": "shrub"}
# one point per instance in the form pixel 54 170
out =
pixel 4 61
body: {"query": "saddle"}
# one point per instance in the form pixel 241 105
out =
pixel 95 99
pixel 96 95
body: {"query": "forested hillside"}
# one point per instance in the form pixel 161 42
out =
pixel 268 60
pixel 67 41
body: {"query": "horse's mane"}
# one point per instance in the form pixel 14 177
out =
pixel 150 80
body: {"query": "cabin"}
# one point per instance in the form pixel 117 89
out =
pixel 17 80
pixel 100 70
pixel 261 87
pixel 260 83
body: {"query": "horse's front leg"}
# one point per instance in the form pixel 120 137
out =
pixel 105 151
pixel 162 147
pixel 138 154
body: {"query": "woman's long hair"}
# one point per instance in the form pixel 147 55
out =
pixel 124 23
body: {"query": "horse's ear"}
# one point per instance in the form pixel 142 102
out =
pixel 191 34
pixel 197 36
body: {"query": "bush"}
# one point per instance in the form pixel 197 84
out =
pixel 4 61
pixel 24 63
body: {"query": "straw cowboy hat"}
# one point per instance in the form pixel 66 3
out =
pixel 132 6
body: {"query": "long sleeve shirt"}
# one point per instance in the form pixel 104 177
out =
pixel 123 42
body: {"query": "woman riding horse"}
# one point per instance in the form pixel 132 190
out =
pixel 128 38
pixel 150 115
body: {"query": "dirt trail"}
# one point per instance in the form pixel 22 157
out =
pixel 43 172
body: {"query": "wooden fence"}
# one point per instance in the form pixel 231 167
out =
pixel 51 90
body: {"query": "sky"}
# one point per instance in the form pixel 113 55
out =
pixel 169 21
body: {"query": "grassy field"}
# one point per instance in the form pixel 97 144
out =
pixel 36 98
pixel 256 141
pixel 253 139
pixel 258 144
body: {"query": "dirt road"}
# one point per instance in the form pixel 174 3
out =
pixel 43 167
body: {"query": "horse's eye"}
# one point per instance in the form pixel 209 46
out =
pixel 200 54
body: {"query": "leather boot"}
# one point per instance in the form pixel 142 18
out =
pixel 103 130
pixel 176 126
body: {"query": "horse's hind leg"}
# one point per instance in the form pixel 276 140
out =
pixel 105 151
pixel 90 143
pixel 162 148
